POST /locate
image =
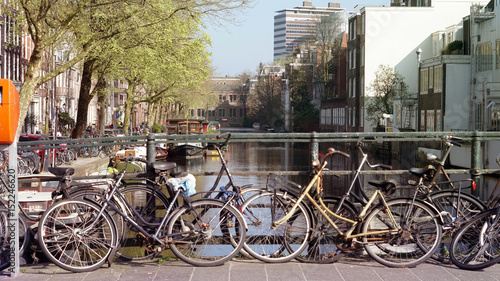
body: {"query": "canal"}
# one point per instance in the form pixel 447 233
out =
pixel 277 157
pixel 252 156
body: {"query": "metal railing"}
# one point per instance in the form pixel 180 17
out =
pixel 476 139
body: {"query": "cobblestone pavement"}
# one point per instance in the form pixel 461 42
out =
pixel 356 269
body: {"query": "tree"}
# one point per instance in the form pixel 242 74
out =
pixel 265 104
pixel 328 36
pixel 305 115
pixel 80 26
pixel 387 87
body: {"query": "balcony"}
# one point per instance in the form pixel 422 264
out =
pixel 480 14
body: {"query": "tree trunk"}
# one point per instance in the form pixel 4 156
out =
pixel 27 91
pixel 84 99
pixel 129 103
pixel 100 89
pixel 151 116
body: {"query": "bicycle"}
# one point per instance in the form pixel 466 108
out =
pixel 476 245
pixel 455 206
pixel 193 231
pixel 396 233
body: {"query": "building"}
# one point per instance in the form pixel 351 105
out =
pixel 374 30
pixel 295 25
pixel 229 102
pixel 333 105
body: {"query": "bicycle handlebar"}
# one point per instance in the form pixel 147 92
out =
pixel 218 137
pixel 332 151
pixel 453 140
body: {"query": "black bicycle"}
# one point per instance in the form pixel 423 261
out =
pixel 81 235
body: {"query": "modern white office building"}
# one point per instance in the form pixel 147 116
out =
pixel 391 36
pixel 292 26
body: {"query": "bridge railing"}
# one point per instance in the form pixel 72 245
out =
pixel 476 139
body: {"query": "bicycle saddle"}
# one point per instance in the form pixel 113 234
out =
pixel 386 186
pixel 163 166
pixel 62 171
pixel 428 170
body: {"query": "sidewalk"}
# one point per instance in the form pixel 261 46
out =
pixel 348 268
pixel 86 165
pixel 355 269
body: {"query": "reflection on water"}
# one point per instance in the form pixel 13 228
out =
pixel 296 157
pixel 264 157
pixel 248 157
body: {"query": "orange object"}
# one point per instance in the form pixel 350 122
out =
pixel 9 111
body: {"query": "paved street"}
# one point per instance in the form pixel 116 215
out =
pixel 356 269
pixel 348 268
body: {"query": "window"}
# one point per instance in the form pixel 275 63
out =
pixel 354 58
pixel 430 121
pixel 431 77
pixel 222 112
pixel 422 120
pixel 350 88
pixel 354 87
pixel 484 57
pixel 424 81
pixel 362 24
pixel 498 54
pixel 362 54
pixel 438 79
pixel 438 120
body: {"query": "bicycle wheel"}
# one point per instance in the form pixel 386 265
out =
pixel 4 241
pixel 325 244
pixel 455 212
pixel 275 244
pixel 94 151
pixel 476 245
pixel 415 241
pixel 75 237
pixel 207 233
pixel 151 204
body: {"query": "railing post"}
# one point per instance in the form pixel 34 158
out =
pixel 150 150
pixel 476 160
pixel 314 146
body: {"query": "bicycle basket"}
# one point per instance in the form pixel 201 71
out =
pixel 278 183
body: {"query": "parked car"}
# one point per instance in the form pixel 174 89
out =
pixel 39 152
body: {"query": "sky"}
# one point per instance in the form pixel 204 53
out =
pixel 239 48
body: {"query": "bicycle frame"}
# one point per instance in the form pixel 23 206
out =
pixel 322 208
pixel 156 236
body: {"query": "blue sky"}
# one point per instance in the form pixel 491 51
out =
pixel 240 48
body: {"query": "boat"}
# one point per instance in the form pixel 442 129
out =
pixel 187 149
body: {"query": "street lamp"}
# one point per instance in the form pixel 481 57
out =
pixel 419 54
pixel 417 114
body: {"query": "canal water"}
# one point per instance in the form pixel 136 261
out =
pixel 274 157
pixel 252 156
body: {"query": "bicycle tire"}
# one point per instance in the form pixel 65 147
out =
pixel 324 241
pixel 476 245
pixel 454 213
pixel 282 243
pixel 73 237
pixel 191 241
pixel 416 241
pixel 4 240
